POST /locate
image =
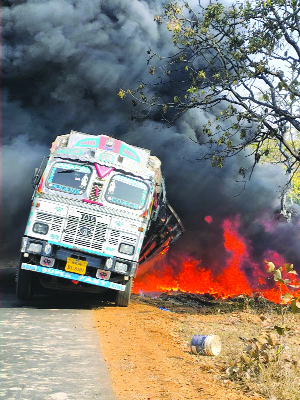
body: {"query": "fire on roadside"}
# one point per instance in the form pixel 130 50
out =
pixel 189 275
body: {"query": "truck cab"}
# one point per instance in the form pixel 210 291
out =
pixel 98 209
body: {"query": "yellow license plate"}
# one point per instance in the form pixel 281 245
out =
pixel 77 266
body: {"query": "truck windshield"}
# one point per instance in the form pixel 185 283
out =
pixel 69 178
pixel 126 191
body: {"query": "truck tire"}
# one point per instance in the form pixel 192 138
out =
pixel 23 282
pixel 122 298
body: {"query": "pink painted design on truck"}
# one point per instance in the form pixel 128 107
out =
pixel 92 202
pixel 102 171
pixel 109 144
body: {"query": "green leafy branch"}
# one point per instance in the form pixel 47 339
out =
pixel 266 350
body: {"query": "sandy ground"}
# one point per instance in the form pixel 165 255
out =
pixel 148 360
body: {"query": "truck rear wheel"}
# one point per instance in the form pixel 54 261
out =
pixel 23 282
pixel 122 298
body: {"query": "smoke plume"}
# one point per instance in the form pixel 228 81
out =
pixel 64 62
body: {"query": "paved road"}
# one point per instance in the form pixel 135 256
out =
pixel 49 347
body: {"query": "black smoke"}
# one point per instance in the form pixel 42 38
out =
pixel 64 61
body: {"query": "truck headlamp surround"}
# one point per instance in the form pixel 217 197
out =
pixel 47 249
pixel 40 228
pixel 24 244
pixel 35 247
pixel 121 267
pixel 109 263
pixel 126 249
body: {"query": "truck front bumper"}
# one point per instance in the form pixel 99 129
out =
pixel 74 277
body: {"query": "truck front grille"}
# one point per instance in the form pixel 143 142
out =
pixel 88 234
pixel 129 239
pixel 85 233
pixel 55 223
pixel 114 237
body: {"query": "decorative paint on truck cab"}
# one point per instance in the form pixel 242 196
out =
pixel 87 225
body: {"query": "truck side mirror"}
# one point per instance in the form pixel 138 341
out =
pixel 38 173
pixel 35 178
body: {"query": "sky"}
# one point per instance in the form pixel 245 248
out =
pixel 64 62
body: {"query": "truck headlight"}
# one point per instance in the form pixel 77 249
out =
pixel 47 249
pixel 109 263
pixel 35 248
pixel 121 267
pixel 24 244
pixel 126 249
pixel 40 228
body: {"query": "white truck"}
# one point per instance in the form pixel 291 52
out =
pixel 99 209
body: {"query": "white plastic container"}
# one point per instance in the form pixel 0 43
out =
pixel 209 345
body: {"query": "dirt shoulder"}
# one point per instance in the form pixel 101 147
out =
pixel 149 359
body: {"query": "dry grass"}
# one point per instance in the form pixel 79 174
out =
pixel 237 322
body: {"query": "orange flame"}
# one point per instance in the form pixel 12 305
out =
pixel 187 274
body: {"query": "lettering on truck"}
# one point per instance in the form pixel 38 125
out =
pixel 99 209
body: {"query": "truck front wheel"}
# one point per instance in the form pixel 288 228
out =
pixel 23 282
pixel 122 298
